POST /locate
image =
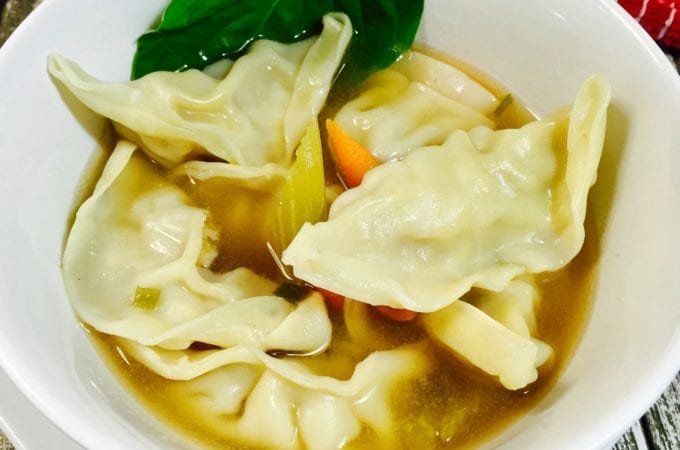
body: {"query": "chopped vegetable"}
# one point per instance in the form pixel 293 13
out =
pixel 333 300
pixel 196 33
pixel 351 158
pixel 362 326
pixel 303 195
pixel 147 298
pixel 291 291
pixel 503 105
pixel 397 314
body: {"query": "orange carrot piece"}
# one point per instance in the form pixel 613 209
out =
pixel 351 158
pixel 397 314
pixel 333 300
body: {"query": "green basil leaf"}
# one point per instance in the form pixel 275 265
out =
pixel 384 30
pixel 195 33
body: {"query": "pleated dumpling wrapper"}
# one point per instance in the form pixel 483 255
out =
pixel 417 101
pixel 255 116
pixel 478 210
pixel 161 245
pixel 136 265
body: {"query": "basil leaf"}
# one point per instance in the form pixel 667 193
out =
pixel 195 33
pixel 384 30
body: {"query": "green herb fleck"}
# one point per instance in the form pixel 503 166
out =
pixel 147 298
pixel 503 105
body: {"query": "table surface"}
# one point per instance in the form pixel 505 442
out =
pixel 658 429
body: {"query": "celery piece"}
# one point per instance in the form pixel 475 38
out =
pixel 303 195
pixel 147 298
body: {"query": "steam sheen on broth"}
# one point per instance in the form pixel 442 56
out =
pixel 195 235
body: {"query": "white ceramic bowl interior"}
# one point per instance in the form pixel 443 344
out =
pixel 540 49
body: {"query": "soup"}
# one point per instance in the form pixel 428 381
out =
pixel 253 299
pixel 457 407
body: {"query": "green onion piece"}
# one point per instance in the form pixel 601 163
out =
pixel 503 105
pixel 147 298
pixel 303 196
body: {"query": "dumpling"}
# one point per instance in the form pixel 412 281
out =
pixel 255 116
pixel 447 80
pixel 493 331
pixel 244 331
pixel 479 210
pixel 159 242
pixel 280 403
pixel 418 101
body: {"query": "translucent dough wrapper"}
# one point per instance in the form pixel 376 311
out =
pixel 255 116
pixel 477 211
pixel 493 331
pixel 138 230
pixel 417 101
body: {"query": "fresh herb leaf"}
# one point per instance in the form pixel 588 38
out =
pixel 384 30
pixel 195 33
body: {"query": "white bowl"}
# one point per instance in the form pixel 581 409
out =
pixel 540 49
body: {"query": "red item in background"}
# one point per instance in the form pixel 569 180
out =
pixel 660 18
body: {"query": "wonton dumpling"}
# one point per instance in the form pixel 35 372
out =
pixel 418 101
pixel 447 80
pixel 479 210
pixel 485 343
pixel 255 116
pixel 493 331
pixel 288 403
pixel 158 241
pixel 514 307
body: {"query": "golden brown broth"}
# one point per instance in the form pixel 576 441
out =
pixel 516 114
pixel 454 406
pixel 244 221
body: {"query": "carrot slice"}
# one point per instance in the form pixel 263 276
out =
pixel 397 314
pixel 333 300
pixel 351 158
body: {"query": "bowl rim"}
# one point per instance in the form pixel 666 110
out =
pixel 633 406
